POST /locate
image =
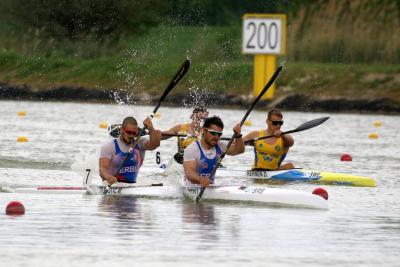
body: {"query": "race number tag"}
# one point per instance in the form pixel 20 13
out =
pixel 312 175
pixel 109 190
pixel 257 174
pixel 252 190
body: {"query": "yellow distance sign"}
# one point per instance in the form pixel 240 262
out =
pixel 264 35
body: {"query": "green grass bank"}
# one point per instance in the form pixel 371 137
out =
pixel 146 63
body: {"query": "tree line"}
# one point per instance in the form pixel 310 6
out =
pixel 78 19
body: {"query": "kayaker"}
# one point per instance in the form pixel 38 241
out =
pixel 201 156
pixel 270 152
pixel 113 153
pixel 190 131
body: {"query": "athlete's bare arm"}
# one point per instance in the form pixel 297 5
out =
pixel 237 146
pixel 171 132
pixel 104 164
pixel 192 175
pixel 154 140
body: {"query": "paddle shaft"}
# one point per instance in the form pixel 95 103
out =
pixel 185 135
pixel 178 76
pixel 265 89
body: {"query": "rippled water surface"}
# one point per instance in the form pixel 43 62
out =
pixel 362 227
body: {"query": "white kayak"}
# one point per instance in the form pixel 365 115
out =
pixel 258 194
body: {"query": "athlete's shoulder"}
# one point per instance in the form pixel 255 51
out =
pixel 193 145
pixel 178 128
pixel 110 142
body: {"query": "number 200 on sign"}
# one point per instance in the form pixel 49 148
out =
pixel 262 36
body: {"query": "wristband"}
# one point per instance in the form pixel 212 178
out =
pixel 238 136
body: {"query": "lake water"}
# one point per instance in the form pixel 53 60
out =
pixel 361 228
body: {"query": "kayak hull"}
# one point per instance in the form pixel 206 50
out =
pixel 312 176
pixel 255 194
pixel 258 194
pixel 52 190
pixel 292 175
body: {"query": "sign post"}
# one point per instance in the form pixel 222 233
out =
pixel 264 35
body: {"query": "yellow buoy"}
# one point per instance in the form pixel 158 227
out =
pixel 157 115
pixel 103 125
pixel 373 135
pixel 21 113
pixel 377 123
pixel 247 123
pixel 22 139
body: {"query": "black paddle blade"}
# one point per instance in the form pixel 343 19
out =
pixel 178 157
pixel 311 124
pixel 178 76
pixel 305 126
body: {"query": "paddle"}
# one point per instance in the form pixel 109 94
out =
pixel 266 87
pixel 305 126
pixel 185 135
pixel 178 76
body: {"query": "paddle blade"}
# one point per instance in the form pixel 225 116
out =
pixel 305 126
pixel 178 76
pixel 311 124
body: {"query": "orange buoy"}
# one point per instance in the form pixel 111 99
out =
pixel 247 123
pixel 373 136
pixel 157 115
pixel 22 139
pixel 15 208
pixel 346 157
pixel 103 125
pixel 321 192
pixel 21 113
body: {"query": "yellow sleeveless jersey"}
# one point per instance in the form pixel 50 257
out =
pixel 268 156
pixel 185 142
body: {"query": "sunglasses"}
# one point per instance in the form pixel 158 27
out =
pixel 276 123
pixel 213 132
pixel 131 132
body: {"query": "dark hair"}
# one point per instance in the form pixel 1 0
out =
pixel 274 112
pixel 213 120
pixel 199 109
pixel 129 120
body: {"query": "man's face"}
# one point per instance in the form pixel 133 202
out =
pixel 274 122
pixel 212 134
pixel 129 132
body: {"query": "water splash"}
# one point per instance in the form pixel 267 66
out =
pixel 198 97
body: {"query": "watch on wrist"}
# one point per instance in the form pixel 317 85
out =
pixel 238 136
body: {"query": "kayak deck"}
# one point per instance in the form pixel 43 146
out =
pixel 52 189
pixel 313 176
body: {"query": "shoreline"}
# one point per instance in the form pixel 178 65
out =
pixel 289 102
